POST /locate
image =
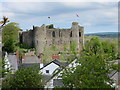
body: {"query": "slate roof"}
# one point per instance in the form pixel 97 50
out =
pixel 28 65
pixel 13 62
pixel 56 62
pixel 46 78
pixel 31 59
pixel 58 82
pixel 0 44
pixel 112 73
pixel 59 63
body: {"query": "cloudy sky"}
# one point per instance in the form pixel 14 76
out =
pixel 94 16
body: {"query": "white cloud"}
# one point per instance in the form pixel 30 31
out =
pixel 62 14
pixel 25 7
pixel 60 0
pixel 87 24
pixel 77 4
pixel 9 14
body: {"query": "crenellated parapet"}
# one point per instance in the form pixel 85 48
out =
pixel 43 37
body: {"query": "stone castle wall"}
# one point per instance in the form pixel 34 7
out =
pixel 42 37
pixel 28 37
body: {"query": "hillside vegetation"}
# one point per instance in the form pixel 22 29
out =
pixel 105 34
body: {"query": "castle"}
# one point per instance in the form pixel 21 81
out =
pixel 42 37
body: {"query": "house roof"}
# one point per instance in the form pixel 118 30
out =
pixel 58 82
pixel 112 73
pixel 56 62
pixel 28 65
pixel 13 62
pixel 46 78
pixel 31 59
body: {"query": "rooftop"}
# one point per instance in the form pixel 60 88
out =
pixel 31 59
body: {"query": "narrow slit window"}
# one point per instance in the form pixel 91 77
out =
pixel 53 33
pixel 71 34
pixel 59 33
pixel 79 34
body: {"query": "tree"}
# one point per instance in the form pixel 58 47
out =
pixel 53 47
pixel 9 45
pixel 6 68
pixel 11 31
pixel 110 50
pixel 51 26
pixel 93 69
pixel 65 47
pixel 72 46
pixel 10 36
pixel 5 20
pixel 26 77
pixel 93 46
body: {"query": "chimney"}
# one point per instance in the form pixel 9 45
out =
pixel 23 57
pixel 40 55
pixel 17 55
pixel 55 56
pixel 41 60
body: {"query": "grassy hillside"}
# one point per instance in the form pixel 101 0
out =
pixel 105 34
pixel 113 40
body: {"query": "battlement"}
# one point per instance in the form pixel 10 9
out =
pixel 74 23
pixel 43 37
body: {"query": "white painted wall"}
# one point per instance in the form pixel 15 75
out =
pixel 50 83
pixel 51 67
pixel 115 78
pixel 7 61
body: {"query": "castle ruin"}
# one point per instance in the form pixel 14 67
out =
pixel 42 37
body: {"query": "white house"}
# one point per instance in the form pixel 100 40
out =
pixel 56 80
pixel 49 68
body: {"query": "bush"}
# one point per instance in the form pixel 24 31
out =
pixel 26 77
pixel 9 46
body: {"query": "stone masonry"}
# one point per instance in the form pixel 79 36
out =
pixel 42 37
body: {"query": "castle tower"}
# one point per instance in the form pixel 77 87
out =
pixel 81 37
pixel 75 34
pixel 39 38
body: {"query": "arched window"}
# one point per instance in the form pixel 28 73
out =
pixel 79 34
pixel 53 33
pixel 71 34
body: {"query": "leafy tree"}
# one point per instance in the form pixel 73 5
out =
pixel 51 26
pixel 53 47
pixel 24 45
pixel 72 46
pixel 10 31
pixel 5 68
pixel 10 36
pixel 65 47
pixel 110 49
pixel 27 77
pixel 9 45
pixel 93 46
pixel 93 69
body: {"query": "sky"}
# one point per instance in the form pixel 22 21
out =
pixel 94 16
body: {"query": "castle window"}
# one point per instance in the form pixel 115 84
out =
pixel 53 33
pixel 71 34
pixel 37 42
pixel 79 34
